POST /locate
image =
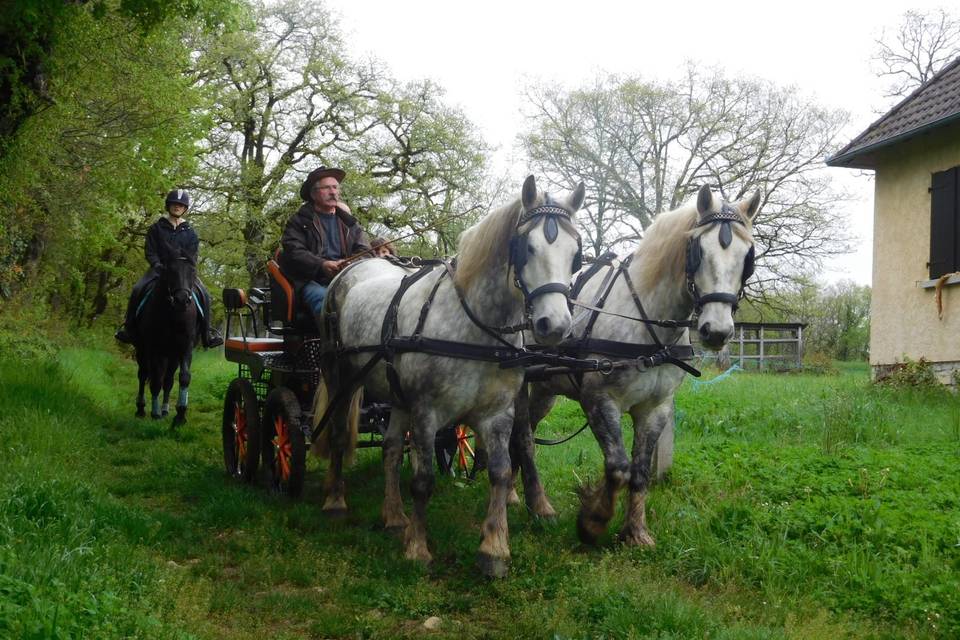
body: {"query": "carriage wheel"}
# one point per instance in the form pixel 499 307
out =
pixel 241 427
pixel 284 445
pixel 453 450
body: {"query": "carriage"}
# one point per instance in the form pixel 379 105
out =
pixel 268 413
pixel 468 358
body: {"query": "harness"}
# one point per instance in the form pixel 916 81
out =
pixel 644 356
pixel 505 352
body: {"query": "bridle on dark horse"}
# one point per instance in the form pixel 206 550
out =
pixel 182 284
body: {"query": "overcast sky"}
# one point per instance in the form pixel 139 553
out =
pixel 484 53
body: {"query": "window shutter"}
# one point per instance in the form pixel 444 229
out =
pixel 943 223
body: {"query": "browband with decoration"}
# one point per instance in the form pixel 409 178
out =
pixel 542 210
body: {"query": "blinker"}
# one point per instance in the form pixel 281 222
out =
pixel 550 229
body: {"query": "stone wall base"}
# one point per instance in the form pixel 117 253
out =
pixel 943 370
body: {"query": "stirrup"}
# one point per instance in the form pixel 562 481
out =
pixel 214 339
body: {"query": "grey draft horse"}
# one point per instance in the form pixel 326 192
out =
pixel 692 262
pixel 514 264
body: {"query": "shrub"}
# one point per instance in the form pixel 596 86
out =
pixel 910 373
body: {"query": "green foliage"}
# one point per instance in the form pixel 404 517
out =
pixel 414 164
pixel 798 507
pixel 837 316
pixel 819 363
pixel 912 373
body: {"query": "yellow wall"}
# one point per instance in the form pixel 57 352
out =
pixel 903 316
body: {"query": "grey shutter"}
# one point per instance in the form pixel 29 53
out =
pixel 943 223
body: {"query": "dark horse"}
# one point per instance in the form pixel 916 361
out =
pixel 167 335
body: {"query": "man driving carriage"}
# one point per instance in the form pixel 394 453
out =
pixel 167 239
pixel 319 238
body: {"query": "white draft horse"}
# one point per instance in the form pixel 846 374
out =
pixel 512 269
pixel 692 263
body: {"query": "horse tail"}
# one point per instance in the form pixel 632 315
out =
pixel 337 434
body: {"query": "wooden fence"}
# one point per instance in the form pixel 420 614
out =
pixel 762 345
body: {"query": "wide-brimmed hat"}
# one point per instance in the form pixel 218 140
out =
pixel 316 174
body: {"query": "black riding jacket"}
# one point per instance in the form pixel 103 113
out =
pixel 166 243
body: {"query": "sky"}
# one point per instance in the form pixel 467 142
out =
pixel 484 53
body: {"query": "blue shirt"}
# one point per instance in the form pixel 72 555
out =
pixel 332 247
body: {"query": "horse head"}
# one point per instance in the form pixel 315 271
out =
pixel 544 252
pixel 719 261
pixel 178 277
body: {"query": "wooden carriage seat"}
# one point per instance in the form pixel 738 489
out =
pixel 284 307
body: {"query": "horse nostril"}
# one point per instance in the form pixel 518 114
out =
pixel 705 330
pixel 542 326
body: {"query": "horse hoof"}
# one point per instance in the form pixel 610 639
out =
pixel 140 413
pixel 178 422
pixel 634 538
pixel 155 416
pixel 513 498
pixel 164 413
pixel 589 528
pixel 336 513
pixel 492 566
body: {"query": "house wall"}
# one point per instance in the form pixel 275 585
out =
pixel 903 319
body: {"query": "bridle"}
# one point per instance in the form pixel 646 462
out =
pixel 173 291
pixel 553 217
pixel 724 218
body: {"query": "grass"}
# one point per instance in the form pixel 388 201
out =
pixel 798 507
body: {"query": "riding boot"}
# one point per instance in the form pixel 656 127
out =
pixel 127 333
pixel 209 336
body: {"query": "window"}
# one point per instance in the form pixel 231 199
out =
pixel 944 223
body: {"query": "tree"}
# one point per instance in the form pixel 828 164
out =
pixel 82 177
pixel 644 147
pixel 30 34
pixel 922 44
pixel 287 99
pixel 837 316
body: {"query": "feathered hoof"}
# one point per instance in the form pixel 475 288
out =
pixel 493 566
pixel 140 413
pixel 396 526
pixel 636 537
pixel 155 416
pixel 335 513
pixel 418 553
pixel 334 508
pixel 512 497
pixel 589 527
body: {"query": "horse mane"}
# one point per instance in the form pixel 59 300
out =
pixel 662 253
pixel 486 243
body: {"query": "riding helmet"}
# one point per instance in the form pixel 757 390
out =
pixel 178 196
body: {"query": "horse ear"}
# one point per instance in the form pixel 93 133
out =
pixel 577 197
pixel 750 207
pixel 529 193
pixel 704 199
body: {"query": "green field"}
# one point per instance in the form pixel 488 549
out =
pixel 799 506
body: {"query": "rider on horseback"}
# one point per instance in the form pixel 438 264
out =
pixel 170 237
pixel 319 237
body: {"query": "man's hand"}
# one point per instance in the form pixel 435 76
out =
pixel 332 267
